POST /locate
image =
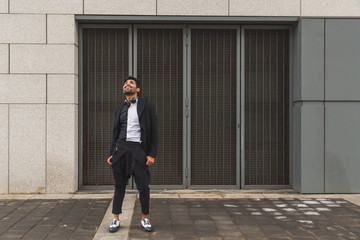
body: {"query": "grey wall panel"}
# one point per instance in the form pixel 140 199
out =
pixel 308 60
pixel 296 166
pixel 312 59
pixel 342 63
pixel 312 147
pixel 308 147
pixel 342 151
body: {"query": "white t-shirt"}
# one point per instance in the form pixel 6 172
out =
pixel 133 132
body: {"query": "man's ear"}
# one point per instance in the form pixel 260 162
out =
pixel 137 89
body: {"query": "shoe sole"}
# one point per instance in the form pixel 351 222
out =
pixel 114 230
pixel 146 229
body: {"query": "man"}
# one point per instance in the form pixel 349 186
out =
pixel 133 149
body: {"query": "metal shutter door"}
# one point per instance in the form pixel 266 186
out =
pixel 160 70
pixel 266 107
pixel 213 107
pixel 105 65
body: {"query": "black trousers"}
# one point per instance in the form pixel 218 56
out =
pixel 130 159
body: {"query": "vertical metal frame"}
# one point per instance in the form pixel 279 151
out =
pixel 187 88
pixel 80 105
pixel 238 70
pixel 239 88
pixel 291 92
pixel 80 94
pixel 243 105
pixel 136 27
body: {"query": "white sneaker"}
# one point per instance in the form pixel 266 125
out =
pixel 114 226
pixel 146 225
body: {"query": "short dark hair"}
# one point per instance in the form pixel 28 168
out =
pixel 135 79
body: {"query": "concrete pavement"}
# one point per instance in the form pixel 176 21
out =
pixel 51 218
pixel 192 214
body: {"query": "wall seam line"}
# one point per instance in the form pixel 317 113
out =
pixel 328 101
pixel 38 103
pixel 46 86
pixel 8 6
pixel 228 7
pixel 29 74
pixel 8 185
pixel 324 190
pixel 46 27
pixel 9 58
pixel 46 150
pixel 46 180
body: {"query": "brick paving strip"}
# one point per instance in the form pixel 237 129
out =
pixel 125 218
pixel 50 218
pixel 249 218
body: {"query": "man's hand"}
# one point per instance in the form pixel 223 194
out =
pixel 109 160
pixel 150 160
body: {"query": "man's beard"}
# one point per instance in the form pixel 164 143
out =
pixel 129 93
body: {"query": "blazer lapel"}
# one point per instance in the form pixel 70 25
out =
pixel 140 107
pixel 119 111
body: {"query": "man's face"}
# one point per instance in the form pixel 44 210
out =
pixel 130 88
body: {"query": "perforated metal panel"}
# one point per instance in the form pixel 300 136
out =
pixel 213 107
pixel 105 65
pixel 266 107
pixel 160 69
pixel 159 66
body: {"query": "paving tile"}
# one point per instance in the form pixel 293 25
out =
pixel 139 235
pixel 162 235
pixel 81 236
pixel 130 238
pixel 232 238
pixel 38 232
pixel 201 196
pixel 181 234
pixel 230 233
pixel 211 238
pixel 28 222
pixel 3 229
pixel 164 196
pixel 14 233
pixel 206 233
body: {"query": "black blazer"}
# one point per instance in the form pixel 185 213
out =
pixel 148 124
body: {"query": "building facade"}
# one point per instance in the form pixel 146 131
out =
pixel 259 94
